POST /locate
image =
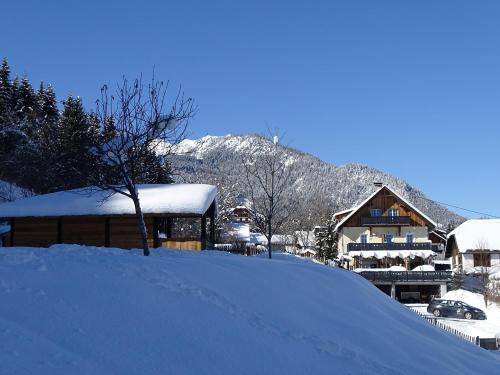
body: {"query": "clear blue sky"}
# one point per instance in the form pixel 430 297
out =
pixel 411 88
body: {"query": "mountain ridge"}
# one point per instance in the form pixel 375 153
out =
pixel 215 159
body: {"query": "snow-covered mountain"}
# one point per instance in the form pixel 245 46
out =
pixel 217 159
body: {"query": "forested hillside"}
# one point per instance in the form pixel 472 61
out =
pixel 319 188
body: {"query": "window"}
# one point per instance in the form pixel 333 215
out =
pixel 388 237
pixel 363 238
pixel 393 212
pixel 482 260
pixel 375 212
pixel 409 237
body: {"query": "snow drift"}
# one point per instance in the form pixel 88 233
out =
pixel 81 310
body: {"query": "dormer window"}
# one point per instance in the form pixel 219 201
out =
pixel 375 212
pixel 393 212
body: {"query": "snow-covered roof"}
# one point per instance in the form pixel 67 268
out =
pixel 474 234
pixel 381 254
pixel 236 231
pixel 356 209
pixel 305 238
pixel 343 211
pixel 282 239
pixel 155 199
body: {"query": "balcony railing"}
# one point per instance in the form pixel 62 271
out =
pixel 402 276
pixel 355 246
pixel 385 220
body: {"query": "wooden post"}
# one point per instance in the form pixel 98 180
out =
pixel 203 232
pixel 11 232
pixel 169 227
pixel 156 240
pixel 106 232
pixel 212 223
pixel 59 229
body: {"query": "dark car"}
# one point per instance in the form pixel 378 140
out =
pixel 455 309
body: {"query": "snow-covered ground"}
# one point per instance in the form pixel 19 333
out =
pixel 483 328
pixel 83 310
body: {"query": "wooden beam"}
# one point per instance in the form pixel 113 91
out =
pixel 59 229
pixel 11 232
pixel 203 232
pixel 169 227
pixel 156 240
pixel 106 232
pixel 212 223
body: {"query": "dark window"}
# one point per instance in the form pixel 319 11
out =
pixel 388 237
pixel 393 212
pixel 363 238
pixel 409 237
pixel 482 260
pixel 375 212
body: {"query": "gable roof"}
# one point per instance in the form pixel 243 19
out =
pixel 358 207
pixel 477 233
pixel 186 199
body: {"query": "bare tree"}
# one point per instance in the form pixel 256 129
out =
pixel 268 173
pixel 482 259
pixel 137 125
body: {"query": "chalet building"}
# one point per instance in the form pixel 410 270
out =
pixel 177 216
pixel 474 244
pixel 385 238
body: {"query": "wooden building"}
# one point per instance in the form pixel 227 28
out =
pixel 177 216
pixel 386 239
pixel 474 244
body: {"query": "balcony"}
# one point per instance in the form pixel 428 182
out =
pixel 354 246
pixel 385 220
pixel 406 276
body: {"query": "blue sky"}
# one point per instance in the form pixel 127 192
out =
pixel 411 88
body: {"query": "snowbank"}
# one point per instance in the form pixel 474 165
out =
pixel 82 310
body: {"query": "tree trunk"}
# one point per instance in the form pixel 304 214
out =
pixel 142 225
pixel 270 235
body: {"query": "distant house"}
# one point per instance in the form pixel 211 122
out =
pixel 384 238
pixel 177 216
pixel 475 243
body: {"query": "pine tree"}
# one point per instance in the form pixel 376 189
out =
pixel 26 110
pixel 5 95
pixel 73 146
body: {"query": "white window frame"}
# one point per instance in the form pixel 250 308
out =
pixel 361 238
pixel 392 211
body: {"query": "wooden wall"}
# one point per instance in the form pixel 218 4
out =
pixel 124 233
pixel 91 230
pixel 181 244
pixel 35 232
pixel 84 231
pixel 385 200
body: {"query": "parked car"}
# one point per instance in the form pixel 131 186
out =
pixel 456 309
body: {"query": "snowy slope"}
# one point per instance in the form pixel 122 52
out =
pixel 82 310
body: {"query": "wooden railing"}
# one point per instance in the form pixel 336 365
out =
pixel 385 220
pixel 355 246
pixel 402 276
